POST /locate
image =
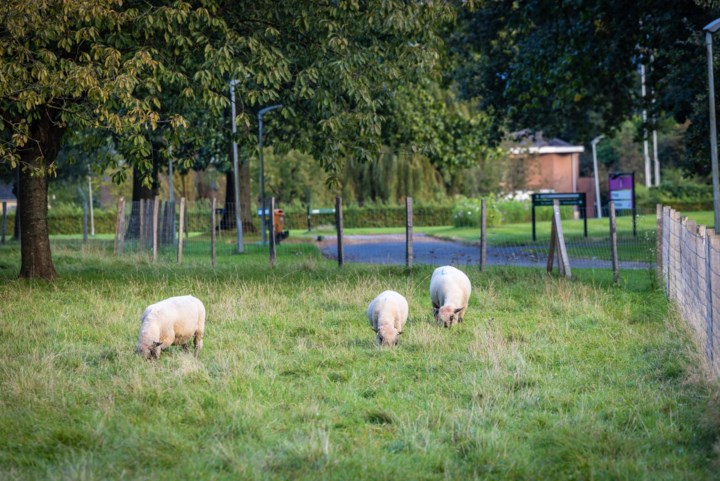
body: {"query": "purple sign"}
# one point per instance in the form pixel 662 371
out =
pixel 622 190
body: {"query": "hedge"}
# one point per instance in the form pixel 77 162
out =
pixel 69 221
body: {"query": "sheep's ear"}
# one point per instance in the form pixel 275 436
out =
pixel 458 310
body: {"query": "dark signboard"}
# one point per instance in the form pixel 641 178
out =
pixel 577 199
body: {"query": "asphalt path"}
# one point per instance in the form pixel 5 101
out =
pixel 390 249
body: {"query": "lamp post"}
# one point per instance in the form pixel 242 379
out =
pixel 711 28
pixel 236 172
pixel 262 166
pixel 594 143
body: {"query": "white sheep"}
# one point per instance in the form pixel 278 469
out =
pixel 450 293
pixel 172 321
pixel 387 314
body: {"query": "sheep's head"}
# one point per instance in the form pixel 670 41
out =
pixel 387 336
pixel 149 350
pixel 448 315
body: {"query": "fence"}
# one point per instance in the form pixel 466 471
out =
pixel 689 263
pixel 506 244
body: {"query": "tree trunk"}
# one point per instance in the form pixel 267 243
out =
pixel 141 191
pixel 42 149
pixel 246 199
pixel 228 220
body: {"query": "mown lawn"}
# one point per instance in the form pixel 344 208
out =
pixel 546 379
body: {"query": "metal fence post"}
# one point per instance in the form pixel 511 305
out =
pixel 483 234
pixel 613 244
pixel 180 230
pixel 212 232
pixel 339 226
pixel 155 219
pixel 408 232
pixel 272 243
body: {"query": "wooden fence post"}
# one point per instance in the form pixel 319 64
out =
pixel 117 227
pixel 180 231
pixel 551 249
pixel 708 234
pixel 273 250
pixel 339 227
pixel 121 237
pixel 557 240
pixel 4 221
pixel 613 244
pixel 156 217
pixel 658 243
pixel 483 234
pixel 713 280
pixel 408 232
pixel 212 232
pixel 666 233
pixel 85 222
pixel 141 231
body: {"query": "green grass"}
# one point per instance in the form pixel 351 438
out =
pixel 546 379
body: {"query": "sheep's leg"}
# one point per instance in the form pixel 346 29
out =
pixel 186 346
pixel 155 350
pixel 198 342
pixel 436 310
pixel 461 315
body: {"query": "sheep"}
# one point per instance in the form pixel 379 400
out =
pixel 450 293
pixel 387 314
pixel 172 321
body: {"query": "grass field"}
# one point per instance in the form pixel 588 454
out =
pixel 546 379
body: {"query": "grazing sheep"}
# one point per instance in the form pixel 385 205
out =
pixel 387 314
pixel 172 321
pixel 450 293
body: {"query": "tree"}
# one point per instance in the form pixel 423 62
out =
pixel 570 68
pixel 77 64
pixel 131 67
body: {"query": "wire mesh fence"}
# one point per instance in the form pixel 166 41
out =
pixel 690 269
pixel 152 227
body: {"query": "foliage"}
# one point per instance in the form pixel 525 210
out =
pixel 679 190
pixel 155 76
pixel 569 69
pixel 466 212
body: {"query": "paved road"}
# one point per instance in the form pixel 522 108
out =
pixel 390 249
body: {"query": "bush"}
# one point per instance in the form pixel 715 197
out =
pixel 677 190
pixel 466 212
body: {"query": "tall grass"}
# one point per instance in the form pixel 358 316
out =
pixel 546 379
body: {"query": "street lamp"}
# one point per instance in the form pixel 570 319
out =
pixel 711 28
pixel 262 167
pixel 236 171
pixel 594 143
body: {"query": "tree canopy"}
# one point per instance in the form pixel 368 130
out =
pixel 141 70
pixel 570 68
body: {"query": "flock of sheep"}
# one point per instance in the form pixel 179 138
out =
pixel 176 320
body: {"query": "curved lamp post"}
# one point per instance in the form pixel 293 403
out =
pixel 262 166
pixel 711 28
pixel 598 206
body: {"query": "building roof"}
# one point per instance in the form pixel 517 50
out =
pixel 527 142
